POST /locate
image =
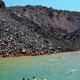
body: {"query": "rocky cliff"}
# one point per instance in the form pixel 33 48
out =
pixel 38 28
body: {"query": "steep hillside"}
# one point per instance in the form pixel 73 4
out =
pixel 38 28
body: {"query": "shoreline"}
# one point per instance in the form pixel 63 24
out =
pixel 20 55
pixel 26 55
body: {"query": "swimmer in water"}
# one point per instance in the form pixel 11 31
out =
pixel 23 79
pixel 71 72
pixel 34 78
pixel 44 79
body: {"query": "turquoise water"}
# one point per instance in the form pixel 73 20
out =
pixel 65 66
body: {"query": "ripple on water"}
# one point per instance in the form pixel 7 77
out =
pixel 65 66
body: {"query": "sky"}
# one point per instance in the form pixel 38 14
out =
pixel 71 5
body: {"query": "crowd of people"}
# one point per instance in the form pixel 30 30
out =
pixel 34 78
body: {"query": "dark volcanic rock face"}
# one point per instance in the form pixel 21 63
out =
pixel 38 28
pixel 2 4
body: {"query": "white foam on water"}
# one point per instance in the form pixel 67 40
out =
pixel 53 59
pixel 73 70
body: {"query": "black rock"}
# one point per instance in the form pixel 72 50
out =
pixel 2 4
pixel 38 28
